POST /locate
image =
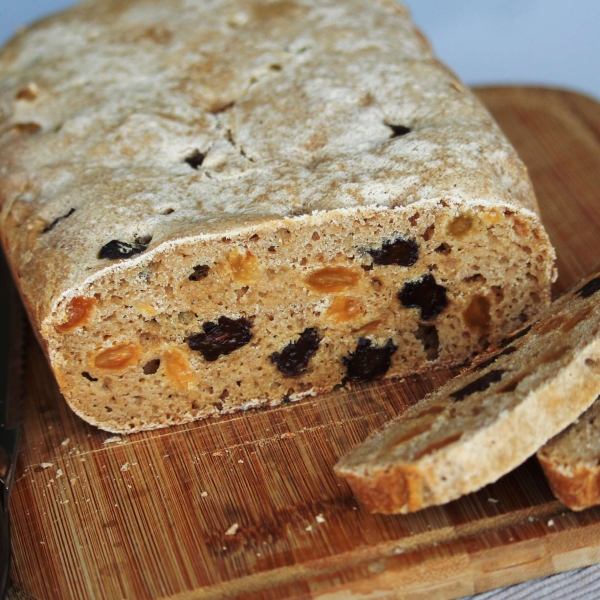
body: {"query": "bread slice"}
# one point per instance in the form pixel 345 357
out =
pixel 571 461
pixel 210 206
pixel 491 418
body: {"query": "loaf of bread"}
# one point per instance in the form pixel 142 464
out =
pixel 491 418
pixel 210 206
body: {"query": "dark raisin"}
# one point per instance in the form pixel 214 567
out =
pixel 88 376
pixel 116 249
pixel 368 362
pixel 399 252
pixel 479 385
pixel 57 220
pixel 494 358
pixel 424 294
pixel 515 336
pixel 222 338
pixel 398 130
pixel 590 288
pixel 285 400
pixel 195 159
pixel 200 272
pixel 293 359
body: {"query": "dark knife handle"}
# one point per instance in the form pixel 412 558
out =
pixel 4 542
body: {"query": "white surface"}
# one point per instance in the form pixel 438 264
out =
pixel 535 42
pixel 539 42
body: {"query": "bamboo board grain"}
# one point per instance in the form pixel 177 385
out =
pixel 248 506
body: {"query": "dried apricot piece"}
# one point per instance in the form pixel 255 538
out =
pixel 244 266
pixel 477 314
pixel 330 280
pixel 79 310
pixel 344 309
pixel 178 369
pixel 118 357
pixel 460 226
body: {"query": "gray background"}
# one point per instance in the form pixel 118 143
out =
pixel 535 42
pixel 539 42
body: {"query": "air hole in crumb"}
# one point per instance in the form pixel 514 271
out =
pixel 413 220
pixel 240 293
pixel 315 236
pixel 143 240
pixel 444 249
pixel 224 394
pixel 88 376
pixel 108 409
pixel 428 336
pixel 254 238
pixel 592 364
pixel 428 233
pixel 276 67
pixel 523 318
pixel 218 406
pixel 167 211
pixel 200 272
pixel 376 283
pixel 271 249
pixel 498 293
pixel 151 366
pixel 478 277
pixel 195 159
pixel 238 383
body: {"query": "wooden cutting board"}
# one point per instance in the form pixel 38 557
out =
pixel 247 506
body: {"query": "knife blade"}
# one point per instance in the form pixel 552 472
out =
pixel 11 363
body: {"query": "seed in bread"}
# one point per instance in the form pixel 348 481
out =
pixel 491 418
pixel 213 206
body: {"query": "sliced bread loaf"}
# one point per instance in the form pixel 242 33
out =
pixel 491 418
pixel 210 206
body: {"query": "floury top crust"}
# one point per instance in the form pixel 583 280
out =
pixel 287 105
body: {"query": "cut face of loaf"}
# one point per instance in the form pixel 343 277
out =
pixel 293 309
pixel 211 206
pixel 488 420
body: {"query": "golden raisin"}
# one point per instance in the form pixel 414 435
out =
pixel 369 327
pixel 460 226
pixel 177 369
pixel 344 308
pixel 554 354
pixel 438 445
pixel 551 325
pixel 26 128
pixel 244 266
pixel 333 279
pixel 79 311
pixel 576 319
pixel 412 433
pixel 118 357
pixel 477 314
